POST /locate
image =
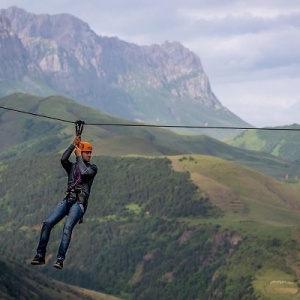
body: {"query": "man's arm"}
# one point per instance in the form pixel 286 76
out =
pixel 86 169
pixel 66 155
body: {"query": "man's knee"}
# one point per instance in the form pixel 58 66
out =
pixel 47 224
pixel 68 229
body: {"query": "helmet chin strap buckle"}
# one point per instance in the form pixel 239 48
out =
pixel 79 127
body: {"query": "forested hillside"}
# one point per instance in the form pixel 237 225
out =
pixel 149 233
pixel 21 282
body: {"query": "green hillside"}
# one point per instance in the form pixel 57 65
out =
pixel 24 135
pixel 242 193
pixel 21 282
pixel 284 144
pixel 170 216
pixel 179 227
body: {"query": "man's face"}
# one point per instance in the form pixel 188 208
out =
pixel 86 155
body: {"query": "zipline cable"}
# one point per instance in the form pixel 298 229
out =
pixel 152 125
pixel 36 115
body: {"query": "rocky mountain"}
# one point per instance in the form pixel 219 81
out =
pixel 60 54
pixel 13 62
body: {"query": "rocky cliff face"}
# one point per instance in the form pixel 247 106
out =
pixel 13 55
pixel 158 83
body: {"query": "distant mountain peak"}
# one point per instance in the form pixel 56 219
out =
pixel 161 84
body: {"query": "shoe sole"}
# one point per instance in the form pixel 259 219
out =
pixel 57 267
pixel 37 263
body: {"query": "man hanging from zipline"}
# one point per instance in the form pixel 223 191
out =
pixel 81 174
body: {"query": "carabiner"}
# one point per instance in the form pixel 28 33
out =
pixel 79 127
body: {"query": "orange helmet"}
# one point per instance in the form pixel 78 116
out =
pixel 85 146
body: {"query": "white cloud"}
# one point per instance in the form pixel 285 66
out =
pixel 263 103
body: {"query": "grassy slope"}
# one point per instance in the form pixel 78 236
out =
pixel 284 144
pixel 242 192
pixel 255 205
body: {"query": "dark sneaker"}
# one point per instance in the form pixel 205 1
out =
pixel 38 260
pixel 59 265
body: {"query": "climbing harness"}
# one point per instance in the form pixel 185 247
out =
pixel 72 191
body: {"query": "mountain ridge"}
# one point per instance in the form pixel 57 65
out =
pixel 160 84
pixel 23 135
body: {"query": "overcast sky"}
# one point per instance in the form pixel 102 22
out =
pixel 250 50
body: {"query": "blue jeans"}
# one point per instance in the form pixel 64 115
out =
pixel 74 212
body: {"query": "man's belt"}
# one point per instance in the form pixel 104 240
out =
pixel 72 194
